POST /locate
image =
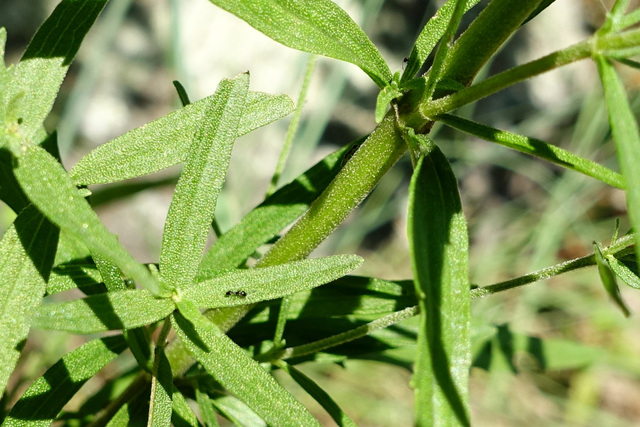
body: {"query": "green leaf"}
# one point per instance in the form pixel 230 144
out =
pixel 166 141
pixel 206 408
pixel 537 148
pixel 624 272
pixel 103 312
pixel 72 275
pixel 182 416
pixel 27 250
pixel 40 72
pixel 320 396
pixel 237 411
pixel 429 37
pixel 161 403
pixel 46 397
pixel 386 95
pixel 319 27
pixel 237 372
pixel 439 257
pixel 243 287
pixel 269 218
pixel 609 279
pixel 624 129
pixel 49 187
pixel 193 204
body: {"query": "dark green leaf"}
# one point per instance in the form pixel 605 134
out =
pixel 439 257
pixel 49 187
pixel 46 397
pixel 258 284
pixel 166 141
pixel 319 27
pixel 231 367
pixel 269 218
pixel 193 204
pixel 161 403
pixel 27 250
pixel 72 275
pixel 537 148
pixel 182 416
pixel 103 312
pixel 39 74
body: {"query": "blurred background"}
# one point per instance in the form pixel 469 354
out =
pixel 523 214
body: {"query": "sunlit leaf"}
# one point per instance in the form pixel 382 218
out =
pixel 608 278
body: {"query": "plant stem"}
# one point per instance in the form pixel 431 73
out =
pixel 135 388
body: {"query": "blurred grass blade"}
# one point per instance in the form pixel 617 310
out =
pixel 537 148
pixel 624 130
pixel 166 141
pixel 207 411
pixel 233 369
pixel 269 218
pixel 429 37
pixel 103 312
pixel 49 187
pixel 319 395
pixel 40 72
pixel 46 397
pixel 320 27
pixel 609 279
pixel 161 403
pixel 439 257
pixel 258 284
pixel 182 416
pixel 27 251
pixel 193 204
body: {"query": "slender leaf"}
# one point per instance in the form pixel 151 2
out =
pixel 429 37
pixel 111 311
pixel 231 367
pixel 624 129
pixel 182 416
pixel 161 402
pixel 48 186
pixel 39 74
pixel 535 147
pixel 46 397
pixel 166 141
pixel 439 257
pixel 193 204
pixel 621 267
pixel 320 396
pixel 237 411
pixel 206 408
pixel 27 250
pixel 258 284
pixel 269 218
pixel 72 275
pixel 608 278
pixel 319 27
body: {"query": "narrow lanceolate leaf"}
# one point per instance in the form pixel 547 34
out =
pixel 183 415
pixel 166 141
pixel 608 278
pixel 624 130
pixel 236 371
pixel 429 37
pixel 103 312
pixel 27 250
pixel 161 402
pixel 269 218
pixel 39 74
pixel 439 257
pixel 535 147
pixel 321 396
pixel 46 397
pixel 206 408
pixel 49 187
pixel 259 284
pixel 194 201
pixel 318 26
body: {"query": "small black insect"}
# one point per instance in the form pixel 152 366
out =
pixel 240 294
pixel 228 293
pixel 405 60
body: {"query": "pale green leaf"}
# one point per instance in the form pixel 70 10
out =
pixel 237 411
pixel 40 72
pixel 626 136
pixel 318 26
pixel 49 187
pixel 233 369
pixel 193 204
pixel 46 397
pixel 27 250
pixel 537 148
pixel 438 244
pixel 103 312
pixel 249 286
pixel 166 141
